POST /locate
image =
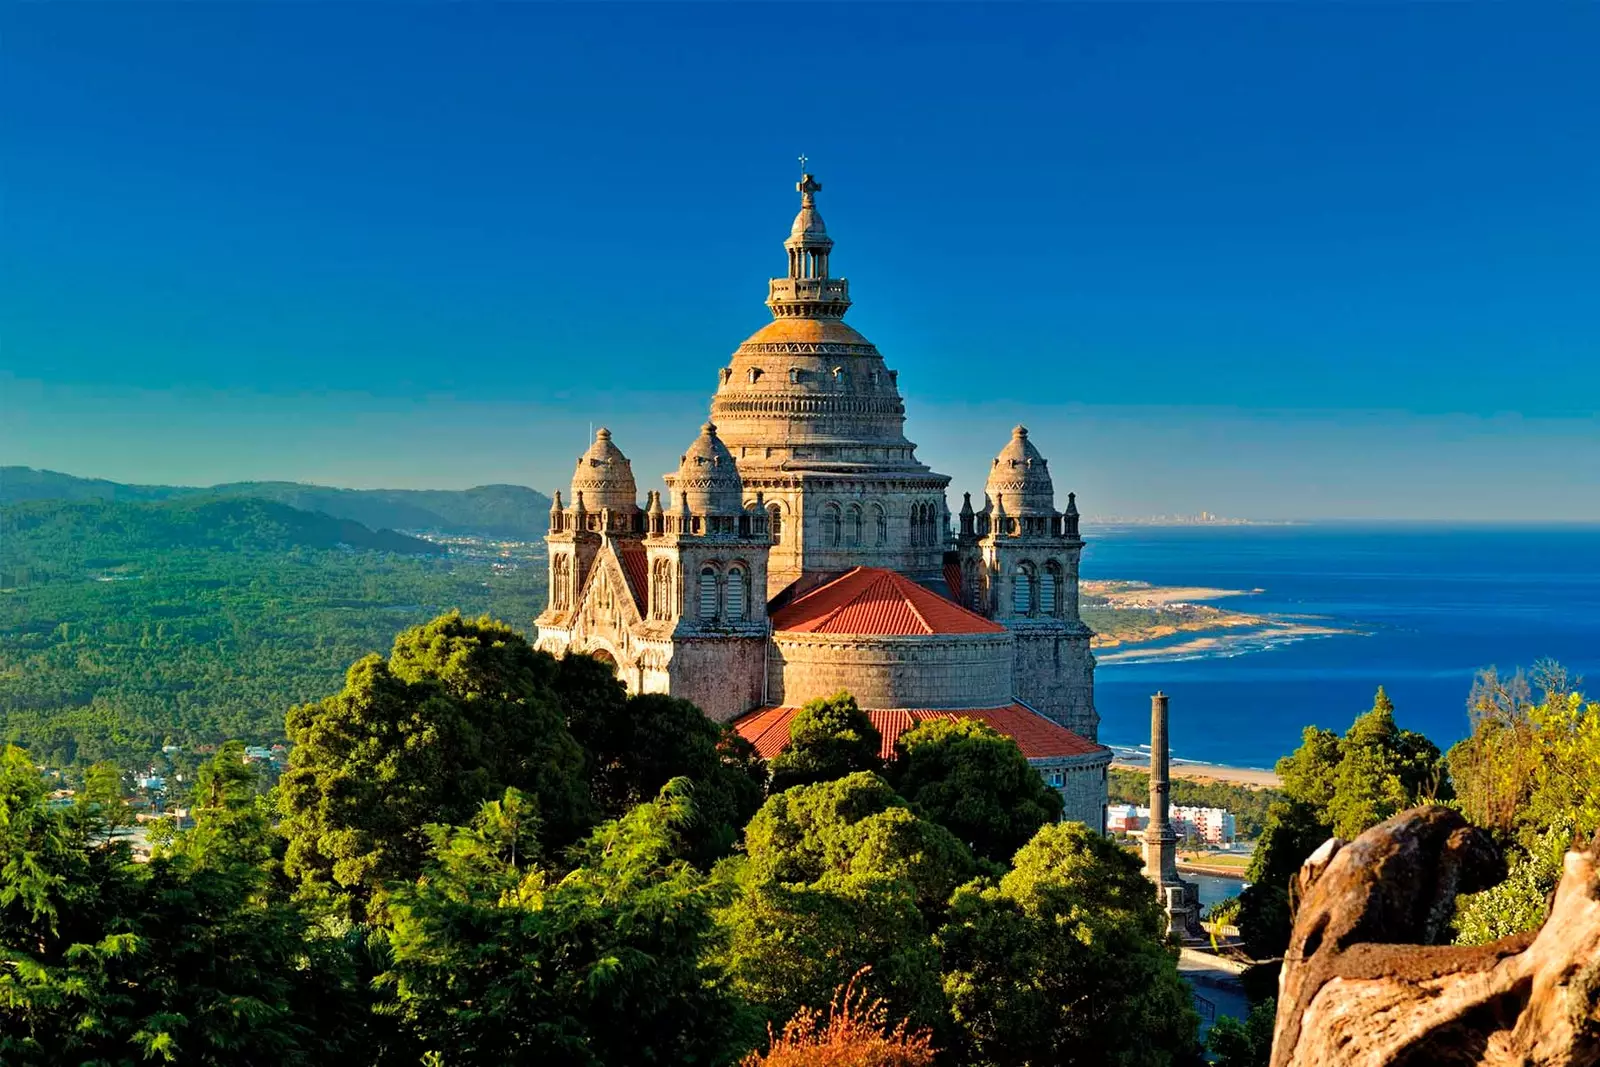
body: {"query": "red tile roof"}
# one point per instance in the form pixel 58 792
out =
pixel 636 568
pixel 1038 737
pixel 870 600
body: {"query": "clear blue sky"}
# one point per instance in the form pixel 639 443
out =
pixel 1272 260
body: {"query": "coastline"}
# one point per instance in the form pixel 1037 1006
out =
pixel 1130 616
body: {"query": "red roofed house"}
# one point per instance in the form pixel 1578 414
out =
pixel 805 550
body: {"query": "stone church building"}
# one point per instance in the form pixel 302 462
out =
pixel 802 549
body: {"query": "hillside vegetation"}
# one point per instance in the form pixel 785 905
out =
pixel 482 855
pixel 511 511
pixel 124 624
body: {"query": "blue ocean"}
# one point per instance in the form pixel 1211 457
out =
pixel 1427 606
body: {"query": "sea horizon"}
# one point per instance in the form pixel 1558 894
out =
pixel 1425 606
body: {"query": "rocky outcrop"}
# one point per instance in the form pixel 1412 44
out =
pixel 1367 981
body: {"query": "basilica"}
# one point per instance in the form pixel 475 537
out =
pixel 802 549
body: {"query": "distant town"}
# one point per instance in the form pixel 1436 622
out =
pixel 1204 518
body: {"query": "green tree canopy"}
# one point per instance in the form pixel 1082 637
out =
pixel 1530 772
pixel 494 955
pixel 637 744
pixel 828 739
pixel 1382 770
pixel 1334 786
pixel 1064 961
pixel 1247 1043
pixel 854 828
pixel 975 782
pixel 178 960
pixel 460 711
pixel 1529 767
pixel 1294 830
pixel 841 875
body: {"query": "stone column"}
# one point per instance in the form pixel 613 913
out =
pixel 1160 840
pixel 1180 899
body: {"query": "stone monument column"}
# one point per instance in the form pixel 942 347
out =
pixel 1180 899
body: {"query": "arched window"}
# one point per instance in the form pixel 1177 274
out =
pixel 853 526
pixel 880 525
pixel 736 594
pixel 775 517
pixel 661 589
pixel 916 524
pixel 1049 583
pixel 708 593
pixel 562 581
pixel 1022 590
pixel 830 525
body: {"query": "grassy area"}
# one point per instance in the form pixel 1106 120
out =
pixel 1217 859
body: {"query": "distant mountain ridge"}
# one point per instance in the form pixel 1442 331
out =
pixel 58 539
pixel 510 511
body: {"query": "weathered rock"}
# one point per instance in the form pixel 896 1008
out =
pixel 1366 982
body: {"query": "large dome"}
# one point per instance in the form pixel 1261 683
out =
pixel 604 476
pixel 708 479
pixel 807 390
pixel 1019 479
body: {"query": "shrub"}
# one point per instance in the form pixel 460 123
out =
pixel 855 1033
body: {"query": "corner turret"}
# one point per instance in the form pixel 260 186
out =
pixel 1022 557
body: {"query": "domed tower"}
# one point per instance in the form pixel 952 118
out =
pixel 604 504
pixel 605 477
pixel 1019 562
pixel 707 482
pixel 707 559
pixel 815 422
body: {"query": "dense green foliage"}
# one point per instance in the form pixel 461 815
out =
pixel 635 745
pixel 1249 804
pixel 459 712
pixel 496 955
pixel 1530 773
pixel 179 960
pixel 1244 1044
pixel 1061 962
pixel 1334 786
pixel 975 782
pixel 840 875
pixel 492 510
pixel 125 625
pixel 480 850
pixel 51 541
pixel 828 739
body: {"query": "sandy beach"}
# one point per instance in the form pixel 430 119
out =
pixel 1120 594
pixel 1254 777
pixel 1129 616
pixel 1264 628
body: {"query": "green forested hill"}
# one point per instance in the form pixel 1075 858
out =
pixel 43 539
pixel 511 511
pixel 122 624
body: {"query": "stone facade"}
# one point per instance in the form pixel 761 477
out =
pixel 893 671
pixel 803 473
pixel 1081 781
